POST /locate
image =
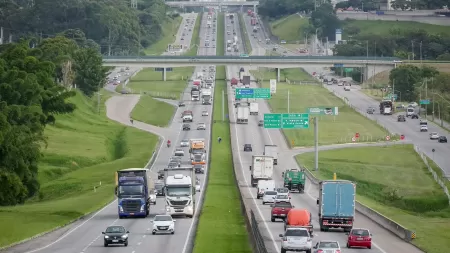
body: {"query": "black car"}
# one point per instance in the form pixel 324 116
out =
pixel 248 147
pixel 442 139
pixel 161 174
pixel 199 169
pixel 261 123
pixel 186 127
pixel 159 189
pixel 401 118
pixel 414 116
pixel 181 104
pixel 115 235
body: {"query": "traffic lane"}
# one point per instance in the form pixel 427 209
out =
pixel 122 78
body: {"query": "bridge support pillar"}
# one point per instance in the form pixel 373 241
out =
pixel 1 35
pixel 365 73
pixel 254 8
pixel 164 77
pixel 278 74
pixel 242 8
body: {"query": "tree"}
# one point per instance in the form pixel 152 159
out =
pixel 90 75
pixel 404 79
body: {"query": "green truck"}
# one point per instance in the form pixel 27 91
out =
pixel 294 180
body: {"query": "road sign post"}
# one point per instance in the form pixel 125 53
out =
pixel 323 110
pixel 316 144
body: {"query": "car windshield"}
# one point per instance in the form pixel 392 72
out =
pixel 178 191
pixel 282 197
pixel 130 190
pixel 270 193
pixel 198 166
pixel 434 133
pixel 360 232
pixel 328 245
pixel 297 232
pixel 163 218
pixel 115 229
pixel 185 140
pixel 282 190
pixel 178 150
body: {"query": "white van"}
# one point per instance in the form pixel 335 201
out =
pixel 409 111
pixel 264 185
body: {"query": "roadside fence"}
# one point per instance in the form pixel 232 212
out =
pixel 260 247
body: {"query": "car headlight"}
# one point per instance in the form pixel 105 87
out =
pixel 189 208
pixel 124 236
pixel 120 209
pixel 106 237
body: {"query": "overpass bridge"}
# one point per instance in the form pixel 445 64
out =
pixel 212 3
pixel 370 65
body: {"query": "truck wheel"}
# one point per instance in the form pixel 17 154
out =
pixel 308 251
pixel 105 244
pixel 283 250
pixel 272 219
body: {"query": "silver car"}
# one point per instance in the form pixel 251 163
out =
pixel 269 197
pixel 434 136
pixel 184 143
pixel 179 152
pixel 296 239
pixel 204 113
pixel 327 247
pixel 201 126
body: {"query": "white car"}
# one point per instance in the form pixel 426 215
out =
pixel 269 197
pixel 283 191
pixel 179 152
pixel 296 239
pixel 163 224
pixel 434 136
pixel 423 128
pixel 201 126
pixel 327 246
pixel 282 198
pixel 413 104
pixel 197 187
pixel 153 198
pixel 205 113
pixel 184 143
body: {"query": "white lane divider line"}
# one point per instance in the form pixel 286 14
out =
pixel 139 243
pixel 144 236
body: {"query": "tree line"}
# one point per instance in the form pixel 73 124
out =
pixel 35 83
pixel 373 5
pixel 113 25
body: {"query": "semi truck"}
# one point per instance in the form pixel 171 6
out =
pixel 179 190
pixel 271 150
pixel 133 188
pixel 195 95
pixel 386 107
pixel 253 21
pixel 336 204
pixel 261 168
pixel 246 80
pixel 208 23
pixel 234 81
pixel 197 147
pixel 242 114
pixel 206 96
pixel 249 12
pixel 294 180
pixel 254 108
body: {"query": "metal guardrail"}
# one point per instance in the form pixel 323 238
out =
pixel 255 57
pixel 260 247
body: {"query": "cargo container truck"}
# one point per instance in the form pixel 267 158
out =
pixel 261 169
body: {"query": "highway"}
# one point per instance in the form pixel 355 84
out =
pixel 383 242
pixel 184 33
pixel 85 236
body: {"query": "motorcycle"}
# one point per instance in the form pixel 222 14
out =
pixel 168 145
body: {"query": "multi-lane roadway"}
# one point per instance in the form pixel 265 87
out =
pixel 384 241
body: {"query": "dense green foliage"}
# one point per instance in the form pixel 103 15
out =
pixel 370 5
pixel 112 24
pixel 279 8
pixel 34 86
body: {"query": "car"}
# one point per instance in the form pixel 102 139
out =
pixel 401 118
pixel 153 197
pixel 423 122
pixel 282 198
pixel 184 143
pixel 159 187
pixel 181 104
pixel 327 246
pixel 213 39
pixel 423 128
pixel 176 159
pixel 182 38
pixel 173 164
pixel 248 147
pixel 280 210
pixel 359 237
pixel 283 191
pixel 201 126
pixel 205 113
pixel 179 152
pixel 163 224
pixel 370 110
pixel 269 197
pixel 434 136
pixel 186 127
pixel 190 29
pixel 261 123
pixel 161 174
pixel 184 34
pixel 115 235
pixel 197 186
pixel 199 168
pixel 414 116
pixel 296 239
pixel 442 139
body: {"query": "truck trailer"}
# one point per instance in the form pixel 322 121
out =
pixel 271 150
pixel 261 168
pixel 386 107
pixel 242 114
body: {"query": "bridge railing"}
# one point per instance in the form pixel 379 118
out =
pixel 181 57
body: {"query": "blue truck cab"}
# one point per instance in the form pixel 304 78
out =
pixel 133 187
pixel 336 204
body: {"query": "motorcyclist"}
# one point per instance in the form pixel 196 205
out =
pixel 168 143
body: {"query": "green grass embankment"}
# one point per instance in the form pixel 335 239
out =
pixel 221 226
pixel 83 152
pixel 394 181
pixel 153 111
pixel 220 46
pixel 169 30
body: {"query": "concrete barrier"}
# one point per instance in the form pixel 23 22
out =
pixel 399 230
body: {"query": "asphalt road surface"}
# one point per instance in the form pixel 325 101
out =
pixel 384 241
pixel 184 33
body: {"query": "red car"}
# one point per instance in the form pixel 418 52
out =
pixel 280 210
pixel 359 237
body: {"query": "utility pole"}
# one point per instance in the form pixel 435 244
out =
pixel 316 144
pixel 367 48
pixel 98 102
pixel 433 109
pixel 223 105
pixel 412 49
pixel 426 97
pixel 420 50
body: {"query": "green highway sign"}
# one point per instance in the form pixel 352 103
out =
pixel 286 120
pixel 389 97
pixel 244 55
pixel 347 70
pixel 263 93
pixel 323 110
pixel 424 102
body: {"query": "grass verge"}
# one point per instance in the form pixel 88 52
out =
pixel 292 74
pixel 332 129
pixel 153 111
pixel 195 41
pixel 84 150
pixel 394 181
pixel 221 211
pixel 289 28
pixel 150 82
pixel 248 44
pixel 220 47
pixel 169 30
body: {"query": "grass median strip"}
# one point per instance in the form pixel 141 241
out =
pixel 220 47
pixel 76 171
pixel 248 44
pixel 195 41
pixel 221 226
pixel 394 181
pixel 153 111
pixel 169 30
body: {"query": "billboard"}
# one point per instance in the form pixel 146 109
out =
pixel 174 48
pixel 338 36
pixel 273 86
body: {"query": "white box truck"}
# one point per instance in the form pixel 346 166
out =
pixel 254 108
pixel 272 151
pixel 199 75
pixel 242 114
pixel 261 168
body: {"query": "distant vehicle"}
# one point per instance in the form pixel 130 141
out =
pixel 205 113
pixel 181 104
pixel 261 123
pixel 182 38
pixel 115 235
pixel 409 111
pixel 359 237
pixel 283 42
pixel 163 224
pixel 179 152
pixel 423 122
pixel 296 239
pixel 294 180
pixel 248 147
pixel 423 128
pixel 184 143
pixel 269 197
pixel 401 118
pixel 442 139
pixel 283 191
pixel 327 246
pixel 280 210
pixel 414 116
pixel 282 198
pixel 199 168
pixel 434 136
pixel 201 126
pixel 413 104
pixel 153 197
pixel 161 174
pixel 159 188
pixel 370 110
pixel 186 127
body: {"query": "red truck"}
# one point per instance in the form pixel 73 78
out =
pixel 249 12
pixel 253 21
pixel 234 81
pixel 280 210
